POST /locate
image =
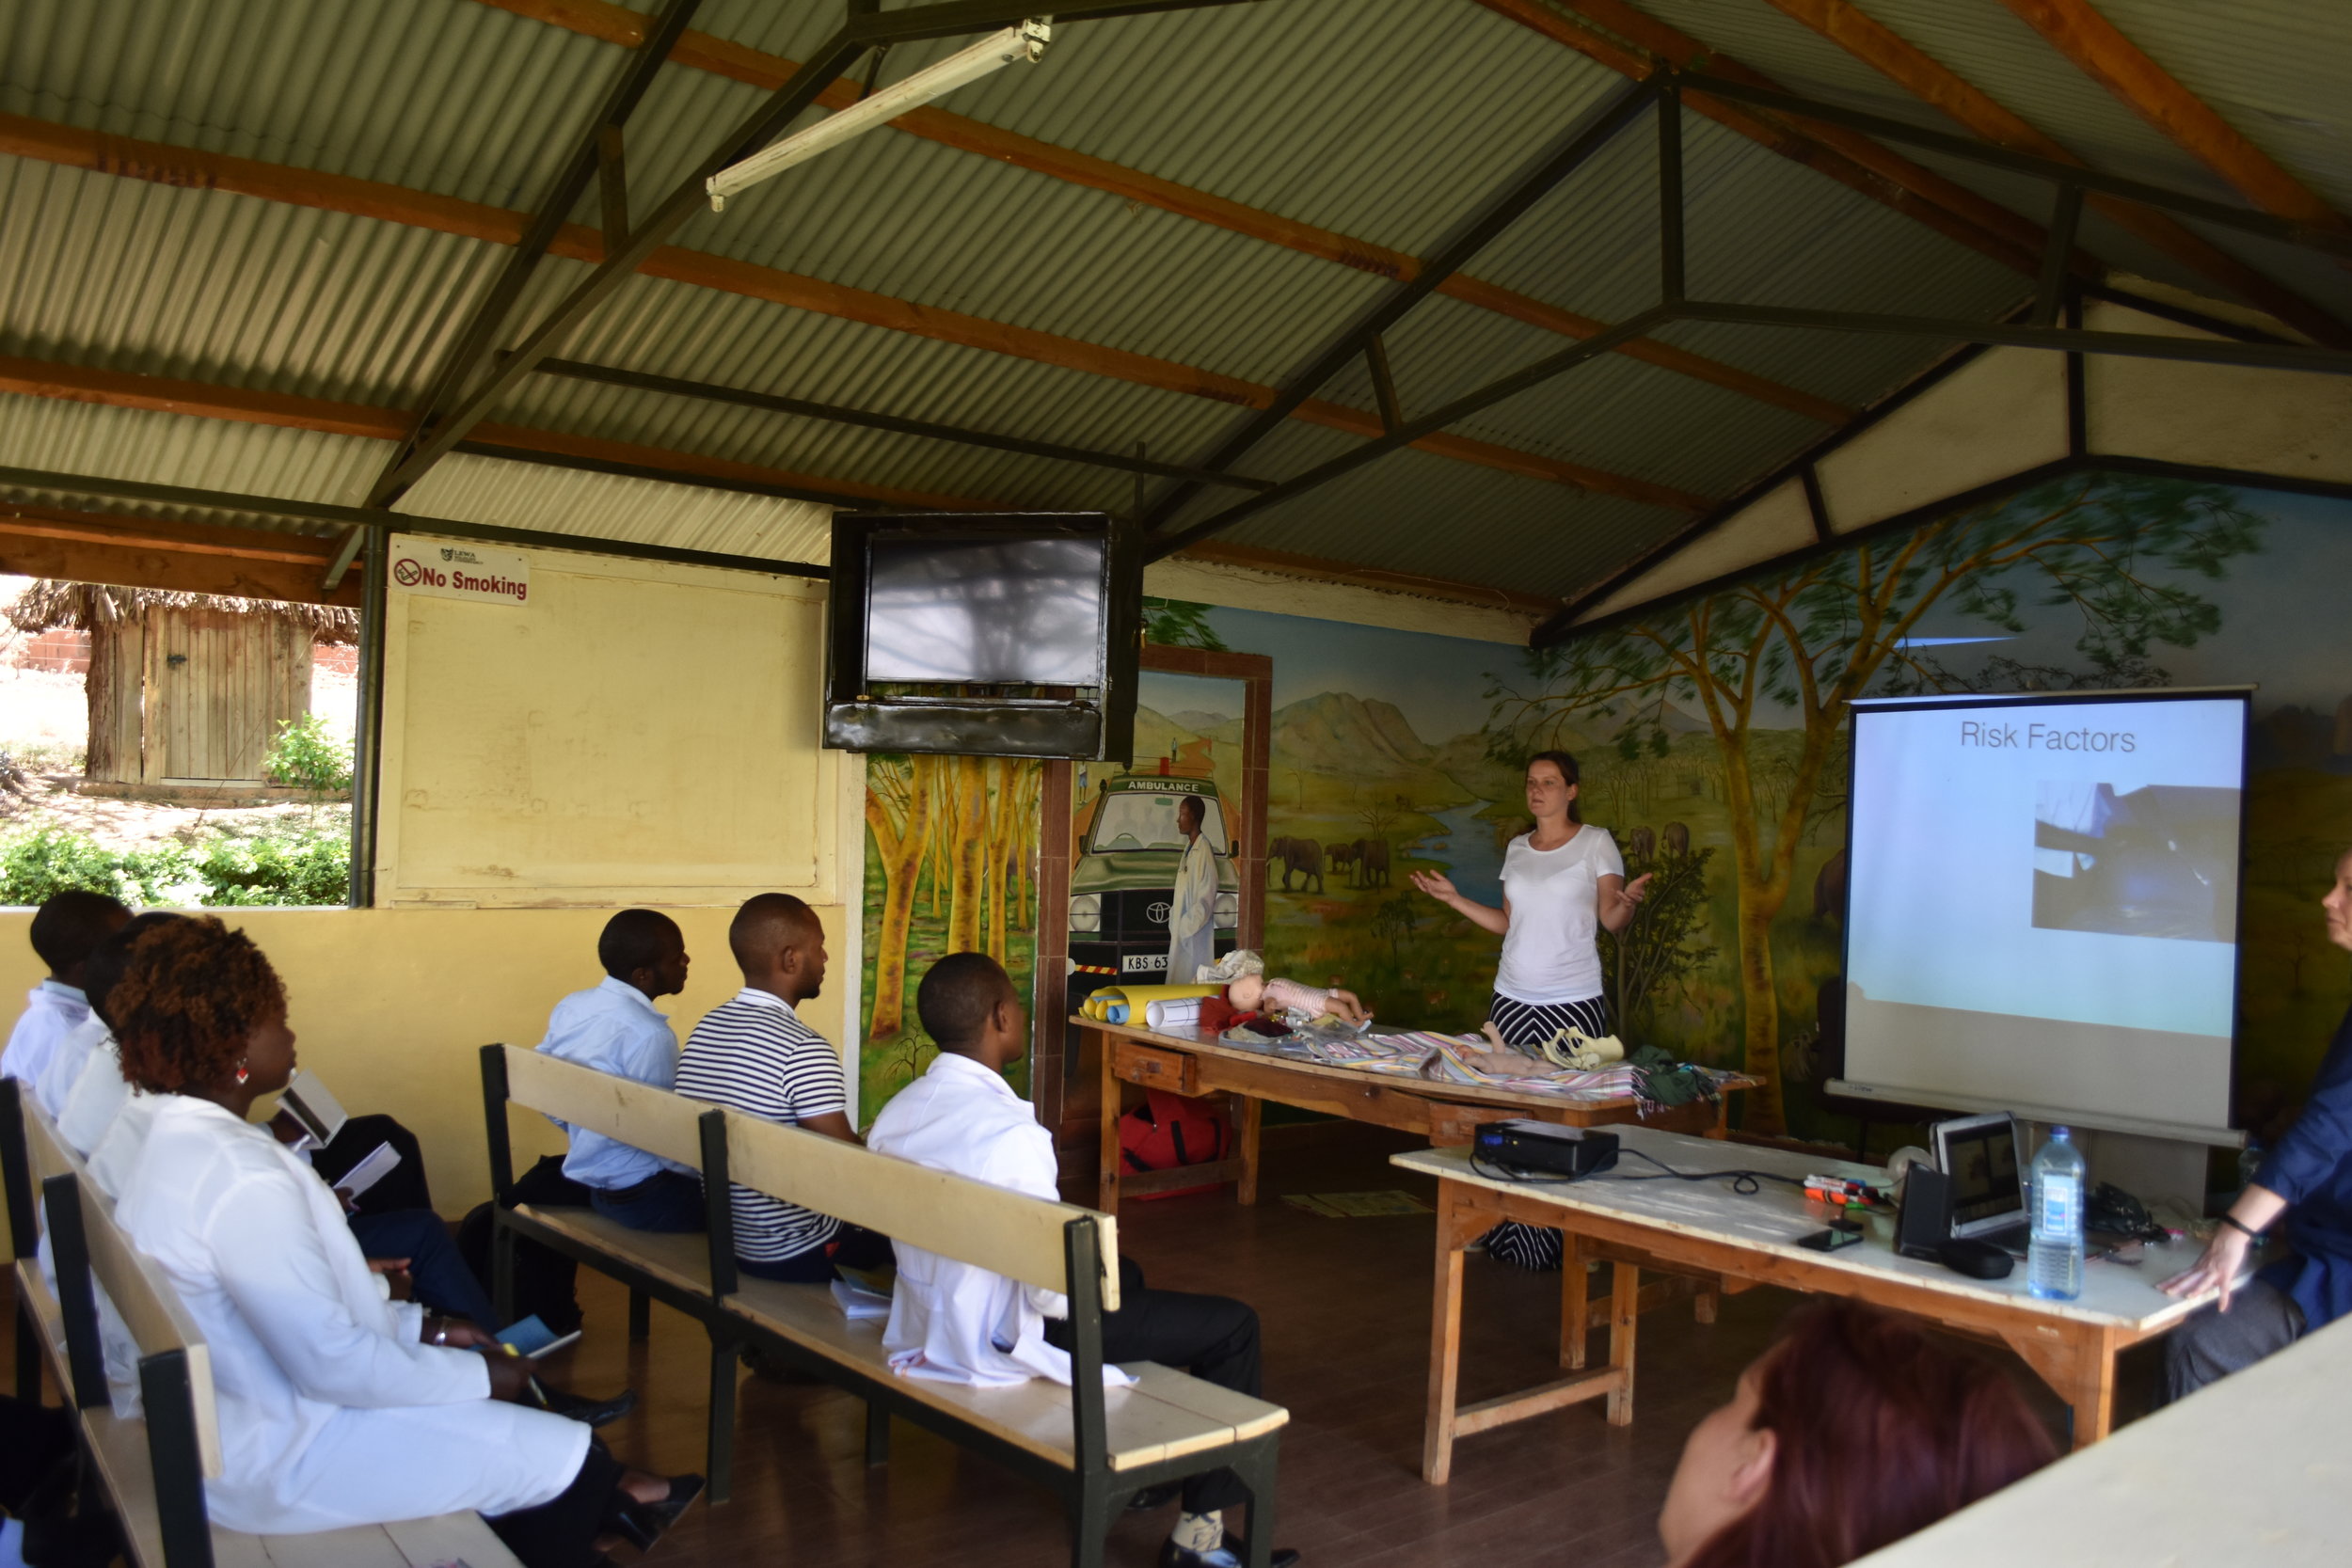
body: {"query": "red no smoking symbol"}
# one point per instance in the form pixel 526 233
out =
pixel 407 572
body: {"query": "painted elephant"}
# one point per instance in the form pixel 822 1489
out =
pixel 1303 857
pixel 1677 837
pixel 1372 861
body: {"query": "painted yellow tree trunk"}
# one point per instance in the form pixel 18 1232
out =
pixel 967 854
pixel 1001 807
pixel 899 844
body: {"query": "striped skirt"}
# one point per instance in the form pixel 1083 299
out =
pixel 1534 1246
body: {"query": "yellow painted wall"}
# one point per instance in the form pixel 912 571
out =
pixel 391 1005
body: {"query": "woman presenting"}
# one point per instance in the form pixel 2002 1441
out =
pixel 1562 884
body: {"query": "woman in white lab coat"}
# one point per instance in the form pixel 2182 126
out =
pixel 337 1407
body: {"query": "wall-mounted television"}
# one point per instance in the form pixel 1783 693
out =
pixel 990 634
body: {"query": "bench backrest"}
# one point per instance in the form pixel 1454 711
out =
pixel 635 1113
pixel 1006 1232
pixel 148 1304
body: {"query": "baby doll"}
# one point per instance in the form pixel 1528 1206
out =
pixel 1260 992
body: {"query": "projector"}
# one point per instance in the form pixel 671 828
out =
pixel 1546 1147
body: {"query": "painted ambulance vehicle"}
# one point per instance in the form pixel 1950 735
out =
pixel 1123 880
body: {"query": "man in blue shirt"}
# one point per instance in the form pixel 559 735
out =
pixel 2307 1178
pixel 614 1028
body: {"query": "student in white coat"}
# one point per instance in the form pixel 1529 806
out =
pixel 964 1325
pixel 337 1407
pixel 65 930
pixel 1192 910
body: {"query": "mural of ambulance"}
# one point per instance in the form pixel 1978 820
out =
pixel 1123 880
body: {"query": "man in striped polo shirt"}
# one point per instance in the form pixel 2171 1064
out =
pixel 752 1053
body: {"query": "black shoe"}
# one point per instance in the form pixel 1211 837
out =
pixel 642 1524
pixel 595 1413
pixel 1152 1497
pixel 1234 1553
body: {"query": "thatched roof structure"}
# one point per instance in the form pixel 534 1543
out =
pixel 50 604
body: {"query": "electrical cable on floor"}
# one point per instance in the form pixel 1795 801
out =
pixel 1744 1182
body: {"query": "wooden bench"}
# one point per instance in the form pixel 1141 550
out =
pixel 1095 1447
pixel 672 1269
pixel 152 1466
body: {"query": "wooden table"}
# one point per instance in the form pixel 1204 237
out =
pixel 1703 1228
pixel 1198 1063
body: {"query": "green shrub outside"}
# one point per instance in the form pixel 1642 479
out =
pixel 304 756
pixel 297 868
pixel 302 867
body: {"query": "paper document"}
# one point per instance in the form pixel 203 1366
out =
pixel 859 1305
pixel 308 1102
pixel 368 1172
pixel 1164 1017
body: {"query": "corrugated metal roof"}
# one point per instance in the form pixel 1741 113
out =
pixel 1385 121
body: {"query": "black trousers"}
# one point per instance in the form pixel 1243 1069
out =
pixel 1213 1338
pixel 562 1532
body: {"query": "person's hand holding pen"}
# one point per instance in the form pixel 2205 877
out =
pixel 512 1377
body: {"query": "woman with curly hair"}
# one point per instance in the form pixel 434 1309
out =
pixel 336 1406
pixel 1852 1431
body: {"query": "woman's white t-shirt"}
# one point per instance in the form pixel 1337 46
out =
pixel 1555 897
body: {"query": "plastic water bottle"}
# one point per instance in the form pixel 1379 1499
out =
pixel 2054 1257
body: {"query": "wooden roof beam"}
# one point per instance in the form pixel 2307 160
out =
pixel 720 57
pixel 1934 84
pixel 181 558
pixel 371 422
pixel 2099 48
pixel 176 166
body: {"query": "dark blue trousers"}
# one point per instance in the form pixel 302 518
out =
pixel 442 1281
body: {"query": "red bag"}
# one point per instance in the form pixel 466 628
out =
pixel 1167 1131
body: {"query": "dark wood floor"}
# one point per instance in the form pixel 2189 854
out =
pixel 1345 1306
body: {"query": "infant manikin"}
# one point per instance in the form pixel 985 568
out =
pixel 1267 994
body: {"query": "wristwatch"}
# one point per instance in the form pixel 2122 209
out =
pixel 440 1334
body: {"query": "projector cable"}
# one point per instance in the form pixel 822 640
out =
pixel 1747 1183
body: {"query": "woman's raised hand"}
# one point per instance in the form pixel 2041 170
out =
pixel 1434 883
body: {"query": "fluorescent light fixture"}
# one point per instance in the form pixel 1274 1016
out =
pixel 1024 44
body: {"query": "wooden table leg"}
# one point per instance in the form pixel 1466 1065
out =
pixel 1575 1300
pixel 1445 1346
pixel 1246 1113
pixel 2077 1360
pixel 1106 1189
pixel 1625 1317
pixel 1706 1302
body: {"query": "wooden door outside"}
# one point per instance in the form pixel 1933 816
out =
pixel 217 686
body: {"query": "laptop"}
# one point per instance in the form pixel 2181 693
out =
pixel 1980 1154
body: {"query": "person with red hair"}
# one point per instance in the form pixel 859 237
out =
pixel 1854 1431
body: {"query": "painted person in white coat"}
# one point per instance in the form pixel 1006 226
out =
pixel 65 929
pixel 964 1325
pixel 1192 911
pixel 337 1407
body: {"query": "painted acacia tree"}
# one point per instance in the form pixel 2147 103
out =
pixel 1788 650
